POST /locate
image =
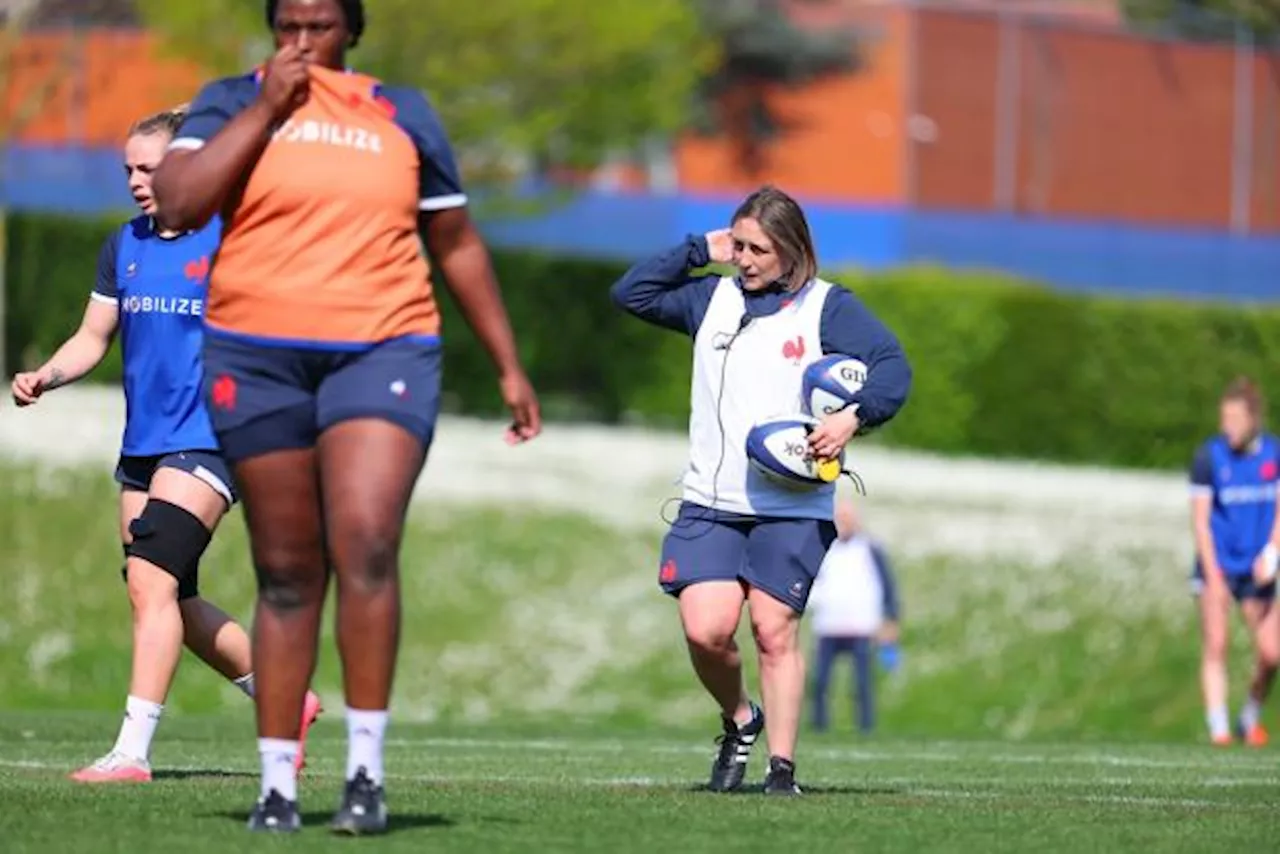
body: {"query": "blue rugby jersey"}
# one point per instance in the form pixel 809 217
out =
pixel 159 286
pixel 1243 488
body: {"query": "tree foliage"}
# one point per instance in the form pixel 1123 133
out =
pixel 1208 20
pixel 761 47
pixel 566 79
pixel 29 76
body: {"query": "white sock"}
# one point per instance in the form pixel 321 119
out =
pixel 245 684
pixel 1250 713
pixel 141 717
pixel 278 772
pixel 1219 720
pixel 365 731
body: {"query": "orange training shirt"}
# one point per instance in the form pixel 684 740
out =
pixel 321 249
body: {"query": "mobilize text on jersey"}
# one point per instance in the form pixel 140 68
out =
pixel 329 133
pixel 162 305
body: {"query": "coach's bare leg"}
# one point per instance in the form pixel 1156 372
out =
pixel 153 592
pixel 710 612
pixel 777 632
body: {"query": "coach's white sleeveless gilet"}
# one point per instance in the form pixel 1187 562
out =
pixel 762 370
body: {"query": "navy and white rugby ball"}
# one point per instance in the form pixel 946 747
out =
pixel 778 448
pixel 830 383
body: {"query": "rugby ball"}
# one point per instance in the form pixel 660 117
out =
pixel 830 383
pixel 778 448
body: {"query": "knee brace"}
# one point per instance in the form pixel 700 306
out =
pixel 171 538
pixel 188 585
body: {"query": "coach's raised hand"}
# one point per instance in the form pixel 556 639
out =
pixel 720 246
pixel 285 82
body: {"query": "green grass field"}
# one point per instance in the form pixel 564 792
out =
pixel 493 790
pixel 544 702
pixel 525 616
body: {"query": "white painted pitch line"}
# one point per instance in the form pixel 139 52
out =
pixel 908 790
pixel 852 754
pixel 836 754
pixel 1056 782
pixel 1220 763
pixel 1107 800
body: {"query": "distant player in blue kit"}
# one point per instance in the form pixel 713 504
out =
pixel 1234 481
pixel 175 488
pixel 739 539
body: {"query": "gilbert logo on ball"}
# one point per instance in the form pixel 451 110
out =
pixel 830 383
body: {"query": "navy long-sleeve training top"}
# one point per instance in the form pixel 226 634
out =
pixel 661 291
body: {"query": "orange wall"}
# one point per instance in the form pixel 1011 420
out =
pixel 1128 129
pixel 846 140
pixel 1108 125
pixel 955 90
pixel 1265 189
pixel 88 88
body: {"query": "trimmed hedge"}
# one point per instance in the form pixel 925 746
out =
pixel 50 269
pixel 1002 368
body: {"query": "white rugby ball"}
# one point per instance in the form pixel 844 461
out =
pixel 778 448
pixel 830 383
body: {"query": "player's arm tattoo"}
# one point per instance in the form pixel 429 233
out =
pixel 56 379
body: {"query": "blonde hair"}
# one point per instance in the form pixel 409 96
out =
pixel 166 122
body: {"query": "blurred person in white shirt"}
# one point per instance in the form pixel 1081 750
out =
pixel 855 611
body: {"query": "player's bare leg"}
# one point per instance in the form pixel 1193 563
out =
pixel 710 612
pixel 157 647
pixel 1215 603
pixel 157 623
pixel 216 639
pixel 281 499
pixel 223 644
pixel 369 467
pixel 776 627
pixel 1263 619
